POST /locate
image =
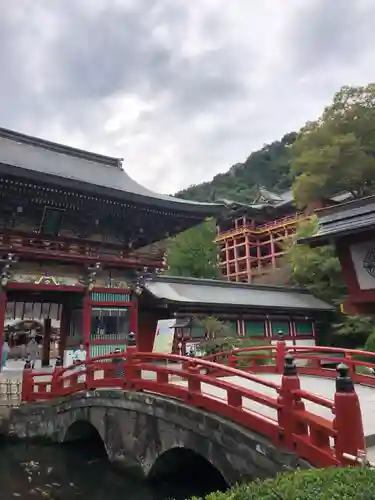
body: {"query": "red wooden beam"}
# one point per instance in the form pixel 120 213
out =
pixel 41 287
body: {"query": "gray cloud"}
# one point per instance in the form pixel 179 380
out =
pixel 180 90
pixel 332 33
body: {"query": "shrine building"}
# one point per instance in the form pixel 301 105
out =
pixel 73 232
pixel 253 311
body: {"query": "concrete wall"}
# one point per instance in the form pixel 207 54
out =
pixel 137 429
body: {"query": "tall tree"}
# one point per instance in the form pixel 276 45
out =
pixel 317 269
pixel 194 252
pixel 337 152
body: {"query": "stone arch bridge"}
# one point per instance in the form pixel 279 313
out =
pixel 243 417
pixel 150 434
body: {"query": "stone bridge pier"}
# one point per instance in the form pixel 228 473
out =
pixel 155 436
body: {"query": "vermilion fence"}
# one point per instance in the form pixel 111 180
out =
pixel 276 411
pixel 316 361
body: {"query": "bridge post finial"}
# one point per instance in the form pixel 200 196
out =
pixel 290 367
pixel 27 384
pixel 132 341
pixel 348 418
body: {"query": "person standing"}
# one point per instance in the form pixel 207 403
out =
pixel 4 354
pixel 32 351
pixel 79 354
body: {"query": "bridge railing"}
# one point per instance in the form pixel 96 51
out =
pixel 276 411
pixel 310 360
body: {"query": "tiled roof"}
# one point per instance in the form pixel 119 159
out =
pixel 27 156
pixel 339 220
pixel 218 292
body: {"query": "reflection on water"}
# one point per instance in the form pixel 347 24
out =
pixel 57 472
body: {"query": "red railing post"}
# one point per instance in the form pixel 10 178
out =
pixel 348 418
pixel 232 360
pixel 289 403
pixel 56 382
pixel 349 364
pixel 27 385
pixel 131 371
pixel 280 355
pixel 194 384
pixel 89 381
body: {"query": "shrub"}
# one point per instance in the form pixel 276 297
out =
pixel 227 344
pixel 314 484
pixel 370 347
pixel 370 343
pixel 253 342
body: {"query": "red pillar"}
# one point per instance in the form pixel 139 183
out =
pixel 133 320
pixel 64 328
pixel 3 304
pixel 86 323
pixel 227 258
pixel 273 251
pixel 259 256
pixel 248 257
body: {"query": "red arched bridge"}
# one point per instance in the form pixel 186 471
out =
pixel 275 391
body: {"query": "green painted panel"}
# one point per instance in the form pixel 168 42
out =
pixel 110 297
pixel 109 336
pixel 278 326
pixel 254 329
pixel 232 326
pixel 304 328
pixel 103 349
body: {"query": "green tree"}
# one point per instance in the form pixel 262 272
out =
pixel 194 252
pixel 317 269
pixel 337 151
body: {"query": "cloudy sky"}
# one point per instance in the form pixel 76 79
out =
pixel 181 89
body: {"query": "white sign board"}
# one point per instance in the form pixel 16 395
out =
pixel 193 348
pixel 164 336
pixel 68 357
pixel 363 257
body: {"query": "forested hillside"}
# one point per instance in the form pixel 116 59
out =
pixel 269 167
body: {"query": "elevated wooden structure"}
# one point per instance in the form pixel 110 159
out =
pixel 253 239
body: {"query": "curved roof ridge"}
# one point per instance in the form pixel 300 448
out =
pixel 22 154
pixel 60 148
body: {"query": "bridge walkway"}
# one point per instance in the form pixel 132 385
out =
pixel 316 385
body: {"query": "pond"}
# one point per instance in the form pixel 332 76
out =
pixel 30 471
